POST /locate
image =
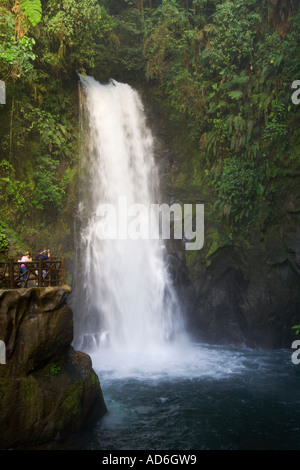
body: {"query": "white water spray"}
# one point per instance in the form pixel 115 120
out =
pixel 125 299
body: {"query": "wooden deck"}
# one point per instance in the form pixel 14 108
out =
pixel 39 273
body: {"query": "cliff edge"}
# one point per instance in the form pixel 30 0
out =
pixel 47 389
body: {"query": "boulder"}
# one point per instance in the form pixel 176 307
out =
pixel 47 389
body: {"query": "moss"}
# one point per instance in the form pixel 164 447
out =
pixel 72 398
pixel 216 239
pixel 54 369
pixel 29 392
pixel 3 389
pixel 94 379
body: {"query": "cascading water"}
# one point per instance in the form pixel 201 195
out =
pixel 125 299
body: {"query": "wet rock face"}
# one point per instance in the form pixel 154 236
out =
pixel 47 389
pixel 247 297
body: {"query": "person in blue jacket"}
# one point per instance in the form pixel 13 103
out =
pixel 44 254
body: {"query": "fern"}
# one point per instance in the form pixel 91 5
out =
pixel 235 94
pixel 33 10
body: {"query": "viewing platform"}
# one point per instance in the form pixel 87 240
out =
pixel 41 273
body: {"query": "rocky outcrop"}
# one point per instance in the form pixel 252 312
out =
pixel 246 294
pixel 47 389
pixel 242 287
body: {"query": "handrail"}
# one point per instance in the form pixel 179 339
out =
pixel 39 273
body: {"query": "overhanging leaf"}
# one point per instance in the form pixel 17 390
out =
pixel 33 10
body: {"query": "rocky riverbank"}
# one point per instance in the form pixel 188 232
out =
pixel 47 389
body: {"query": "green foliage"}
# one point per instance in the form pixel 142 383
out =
pixel 237 185
pixel 13 192
pixel 4 243
pixel 71 30
pixel 47 189
pixel 54 369
pixel 297 329
pixel 237 23
pixel 276 128
pixel 223 70
pixel 122 56
pixel 43 45
pixel 14 205
pixel 16 54
pixel 33 10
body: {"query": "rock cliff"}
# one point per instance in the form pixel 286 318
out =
pixel 242 292
pixel 47 389
pixel 242 287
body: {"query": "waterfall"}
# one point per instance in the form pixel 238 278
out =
pixel 125 300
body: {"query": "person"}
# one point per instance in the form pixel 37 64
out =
pixel 23 267
pixel 44 254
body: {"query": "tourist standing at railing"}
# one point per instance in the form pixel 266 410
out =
pixel 44 254
pixel 26 257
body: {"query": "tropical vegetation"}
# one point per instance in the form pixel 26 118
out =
pixel 221 70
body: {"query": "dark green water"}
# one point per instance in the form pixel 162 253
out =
pixel 213 398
